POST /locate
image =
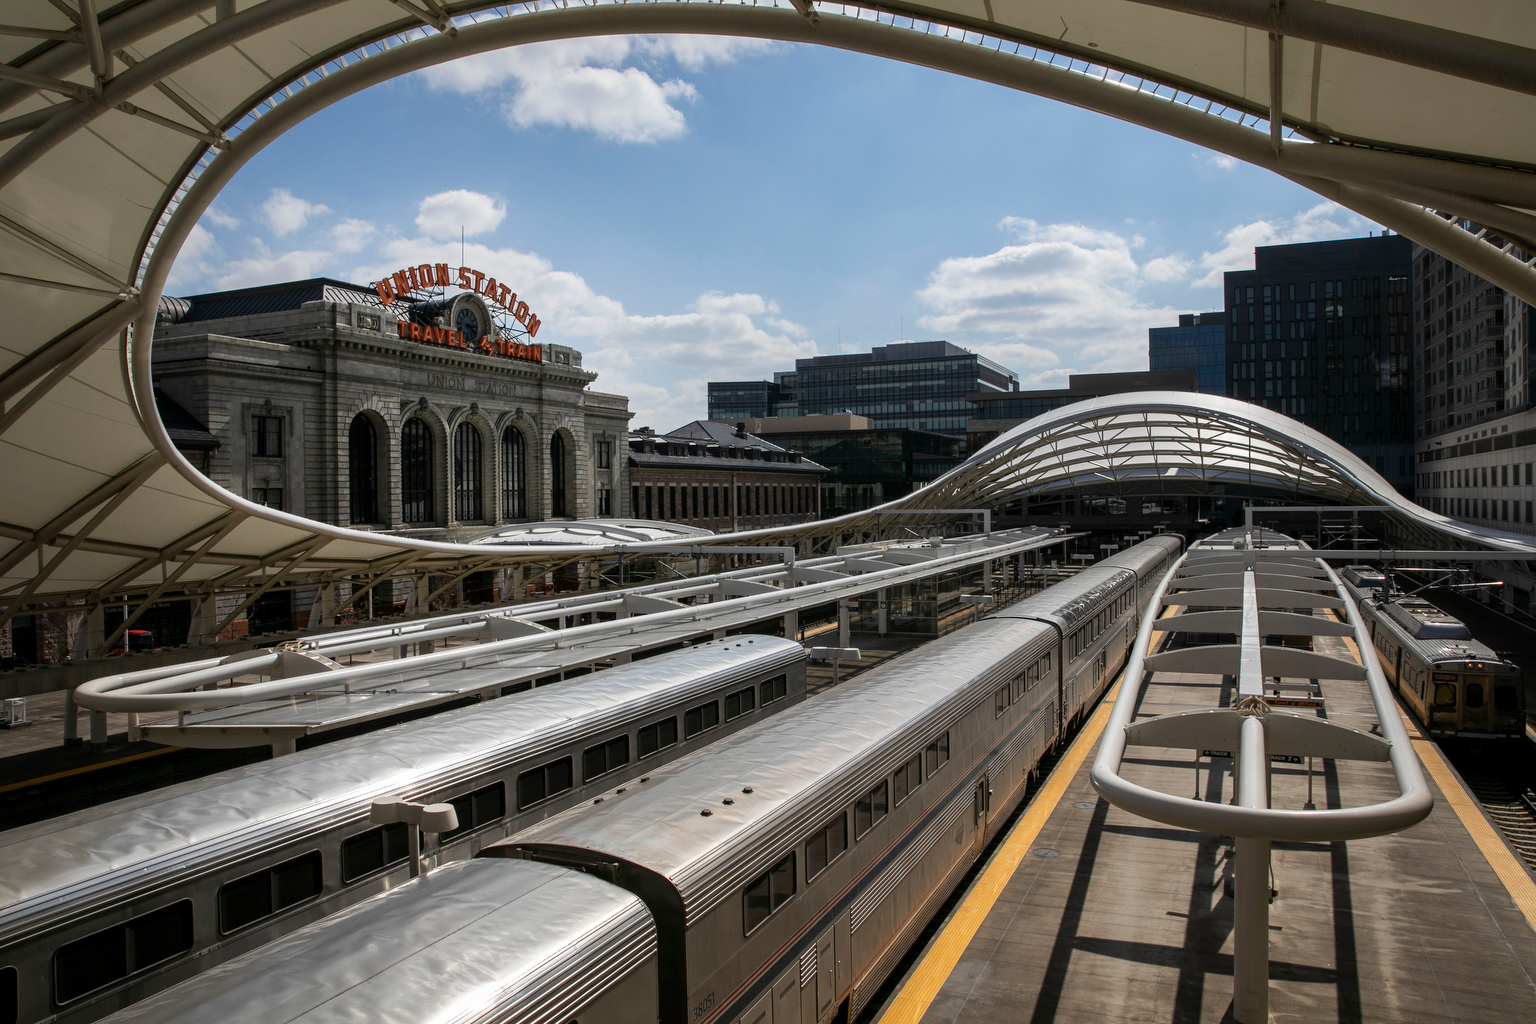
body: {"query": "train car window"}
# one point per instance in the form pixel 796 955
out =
pixel 1505 698
pixel 937 754
pixel 1475 691
pixel 774 689
pixel 654 737
pixel 767 893
pixel 370 851
pixel 10 995
pixel 484 806
pixel 1000 701
pixel 1445 695
pixel 870 809
pixel 543 782
pixel 604 758
pixel 1032 676
pixel 247 900
pixel 701 719
pixel 908 777
pixel 112 954
pixel 739 703
pixel 826 846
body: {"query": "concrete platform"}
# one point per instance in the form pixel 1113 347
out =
pixel 1090 914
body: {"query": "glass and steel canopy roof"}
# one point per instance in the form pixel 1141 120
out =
pixel 120 123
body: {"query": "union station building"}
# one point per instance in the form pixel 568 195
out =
pixel 423 405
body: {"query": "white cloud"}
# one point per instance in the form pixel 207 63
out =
pixel 445 214
pixel 287 213
pixel 1063 294
pixel 265 269
pixel 1325 220
pixel 620 106
pixel 193 261
pixel 1220 161
pixel 352 234
pixel 222 219
pixel 583 84
pixel 1166 268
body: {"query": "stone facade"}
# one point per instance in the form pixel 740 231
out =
pixel 284 389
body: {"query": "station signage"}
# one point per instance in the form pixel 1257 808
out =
pixel 427 276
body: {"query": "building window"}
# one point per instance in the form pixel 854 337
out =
pixel 467 505
pixel 363 470
pixel 416 472
pixel 514 474
pixel 604 454
pixel 604 501
pixel 271 497
pixel 267 435
pixel 557 476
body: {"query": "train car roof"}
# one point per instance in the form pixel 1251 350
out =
pixel 1435 649
pixel 1069 600
pixel 94 851
pixel 466 943
pixel 714 819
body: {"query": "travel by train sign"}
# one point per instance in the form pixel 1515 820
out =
pixel 468 328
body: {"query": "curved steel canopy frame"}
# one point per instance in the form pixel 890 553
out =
pixel 89 543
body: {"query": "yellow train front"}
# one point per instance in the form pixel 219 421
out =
pixel 1456 686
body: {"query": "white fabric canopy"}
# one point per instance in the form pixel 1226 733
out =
pixel 121 125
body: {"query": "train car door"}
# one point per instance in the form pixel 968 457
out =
pixel 982 801
pixel 786 996
pixel 826 977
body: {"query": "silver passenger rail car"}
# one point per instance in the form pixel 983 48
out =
pixel 101 907
pixel 476 942
pixel 1095 615
pixel 1455 685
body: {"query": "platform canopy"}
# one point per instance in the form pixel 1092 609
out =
pixel 120 123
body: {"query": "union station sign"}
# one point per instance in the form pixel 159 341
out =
pixel 469 324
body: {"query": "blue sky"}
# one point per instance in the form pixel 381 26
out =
pixel 686 209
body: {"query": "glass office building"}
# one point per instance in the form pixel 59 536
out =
pixel 1198 343
pixel 918 384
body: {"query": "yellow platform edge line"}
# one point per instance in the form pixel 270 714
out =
pixel 950 944
pixel 1511 873
pixel 86 768
pixel 1522 890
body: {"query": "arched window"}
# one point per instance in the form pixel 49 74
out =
pixel 467 505
pixel 416 473
pixel 557 476
pixel 363 470
pixel 514 474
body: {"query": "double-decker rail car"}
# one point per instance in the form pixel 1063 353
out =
pixel 787 871
pixel 1456 686
pixel 101 907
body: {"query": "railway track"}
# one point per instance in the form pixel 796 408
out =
pixel 1504 782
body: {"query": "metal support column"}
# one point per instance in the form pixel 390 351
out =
pixel 842 622
pixel 1250 929
pixel 883 620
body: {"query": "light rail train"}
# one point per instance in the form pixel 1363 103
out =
pixel 783 874
pixel 102 906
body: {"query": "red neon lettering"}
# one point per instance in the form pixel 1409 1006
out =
pixel 442 274
pixel 463 277
pixel 402 283
pixel 415 332
pixel 403 328
pixel 533 326
pixel 536 353
pixel 386 293
pixel 522 313
pixel 479 277
pixel 505 291
pixel 485 345
pixel 425 275
pixel 490 289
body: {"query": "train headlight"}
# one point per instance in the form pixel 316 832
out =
pixel 1442 716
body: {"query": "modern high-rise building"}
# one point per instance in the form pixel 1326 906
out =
pixel 1199 343
pixel 1322 332
pixel 918 384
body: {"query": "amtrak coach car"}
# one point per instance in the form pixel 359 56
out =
pixel 785 872
pixel 1456 686
pixel 103 906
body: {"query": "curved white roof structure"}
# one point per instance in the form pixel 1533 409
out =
pixel 120 122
